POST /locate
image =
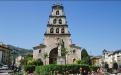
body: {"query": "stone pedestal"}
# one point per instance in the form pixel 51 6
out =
pixel 60 60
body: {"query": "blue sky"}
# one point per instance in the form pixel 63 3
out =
pixel 94 25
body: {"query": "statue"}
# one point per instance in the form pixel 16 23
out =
pixel 60 46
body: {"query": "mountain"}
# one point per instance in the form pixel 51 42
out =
pixel 20 51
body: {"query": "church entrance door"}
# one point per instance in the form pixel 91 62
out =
pixel 53 56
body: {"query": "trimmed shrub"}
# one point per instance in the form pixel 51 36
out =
pixel 62 69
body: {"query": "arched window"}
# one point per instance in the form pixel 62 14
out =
pixel 57 12
pixel 60 21
pixel 51 30
pixel 57 30
pixel 54 21
pixel 62 30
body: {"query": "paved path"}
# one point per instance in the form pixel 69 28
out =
pixel 6 72
pixel 116 74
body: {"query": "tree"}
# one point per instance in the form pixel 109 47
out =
pixel 27 59
pixel 85 57
pixel 45 56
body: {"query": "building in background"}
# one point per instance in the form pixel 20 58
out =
pixel 10 54
pixel 57 39
pixel 97 61
pixel 111 57
pixel 108 57
pixel 5 54
pixel 18 54
pixel 117 56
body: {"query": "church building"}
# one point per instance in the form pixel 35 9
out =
pixel 57 47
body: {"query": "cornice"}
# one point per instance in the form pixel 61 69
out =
pixel 51 25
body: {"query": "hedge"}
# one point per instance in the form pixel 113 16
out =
pixel 62 69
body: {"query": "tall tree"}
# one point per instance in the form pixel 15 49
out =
pixel 85 56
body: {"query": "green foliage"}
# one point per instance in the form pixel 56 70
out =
pixel 27 59
pixel 80 62
pixel 85 57
pixel 71 68
pixel 45 55
pixel 28 67
pixel 63 51
pixel 93 68
pixel 84 54
pixel 38 62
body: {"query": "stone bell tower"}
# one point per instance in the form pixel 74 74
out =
pixel 56 37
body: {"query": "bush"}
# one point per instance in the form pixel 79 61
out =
pixel 93 68
pixel 29 68
pixel 37 62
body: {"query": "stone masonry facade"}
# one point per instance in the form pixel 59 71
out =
pixel 56 37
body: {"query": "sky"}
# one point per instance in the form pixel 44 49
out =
pixel 94 25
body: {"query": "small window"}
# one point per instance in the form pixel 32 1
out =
pixel 57 12
pixel 60 21
pixel 51 30
pixel 62 30
pixel 40 51
pixel 57 30
pixel 54 21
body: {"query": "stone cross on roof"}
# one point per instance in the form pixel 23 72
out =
pixel 58 2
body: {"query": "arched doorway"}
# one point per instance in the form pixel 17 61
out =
pixel 53 56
